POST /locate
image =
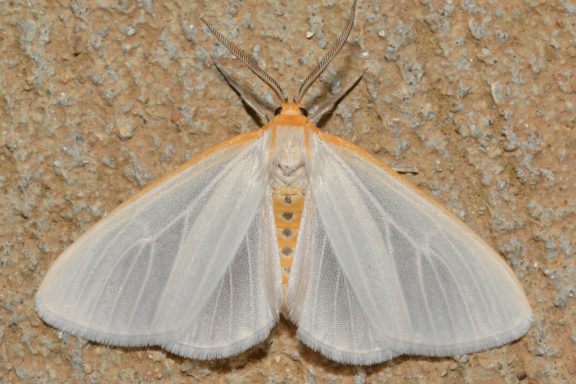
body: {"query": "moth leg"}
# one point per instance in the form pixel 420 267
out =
pixel 248 99
pixel 403 170
pixel 329 105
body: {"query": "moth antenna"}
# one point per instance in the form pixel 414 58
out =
pixel 334 50
pixel 249 61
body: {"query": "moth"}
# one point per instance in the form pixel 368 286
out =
pixel 285 219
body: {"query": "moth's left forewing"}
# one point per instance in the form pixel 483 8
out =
pixel 423 282
pixel 190 264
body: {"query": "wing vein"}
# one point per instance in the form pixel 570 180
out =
pixel 365 191
pixel 423 293
pixel 346 231
pixel 193 203
pixel 140 245
pixel 92 269
pixel 217 246
pixel 230 302
pixel 249 255
pixel 145 280
pixel 445 296
pixel 351 317
pixel 317 287
pixel 215 311
pixel 226 171
pixel 335 309
pixel 477 286
pixel 126 277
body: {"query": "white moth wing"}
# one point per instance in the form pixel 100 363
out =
pixel 322 302
pixel 380 270
pixel 190 265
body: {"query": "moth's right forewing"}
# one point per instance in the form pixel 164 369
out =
pixel 171 267
pixel 416 279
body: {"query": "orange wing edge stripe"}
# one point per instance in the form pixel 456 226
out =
pixel 231 142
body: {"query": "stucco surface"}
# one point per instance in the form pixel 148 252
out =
pixel 99 98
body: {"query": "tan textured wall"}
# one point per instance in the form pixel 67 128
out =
pixel 100 97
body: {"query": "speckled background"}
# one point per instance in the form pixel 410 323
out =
pixel 100 97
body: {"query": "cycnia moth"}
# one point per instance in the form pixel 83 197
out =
pixel 286 219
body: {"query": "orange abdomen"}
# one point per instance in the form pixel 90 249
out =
pixel 288 205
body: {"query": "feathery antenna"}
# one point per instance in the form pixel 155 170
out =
pixel 317 71
pixel 249 61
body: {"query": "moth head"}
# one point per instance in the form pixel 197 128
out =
pixel 290 109
pixel 251 63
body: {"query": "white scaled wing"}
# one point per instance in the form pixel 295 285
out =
pixel 190 265
pixel 381 271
